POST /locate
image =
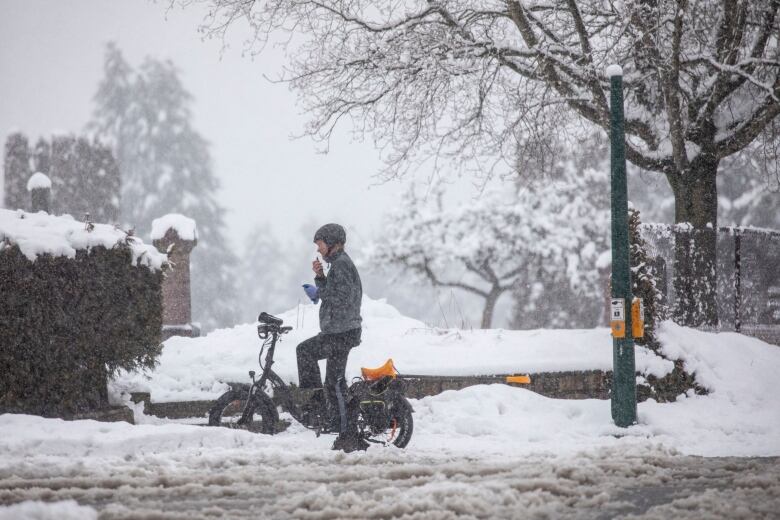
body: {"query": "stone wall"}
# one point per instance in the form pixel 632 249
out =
pixel 593 384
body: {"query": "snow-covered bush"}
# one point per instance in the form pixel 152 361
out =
pixel 79 301
pixel 562 285
pixel 472 247
pixel 524 239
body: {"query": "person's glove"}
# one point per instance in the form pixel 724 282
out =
pixel 312 292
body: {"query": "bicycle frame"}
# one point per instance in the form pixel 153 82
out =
pixel 370 407
pixel 269 361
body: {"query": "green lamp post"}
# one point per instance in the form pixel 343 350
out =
pixel 623 361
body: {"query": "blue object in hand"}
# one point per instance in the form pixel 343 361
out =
pixel 312 292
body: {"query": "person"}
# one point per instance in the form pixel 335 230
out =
pixel 341 293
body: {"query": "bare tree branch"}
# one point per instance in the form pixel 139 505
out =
pixel 451 80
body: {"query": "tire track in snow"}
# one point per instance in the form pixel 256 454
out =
pixel 642 483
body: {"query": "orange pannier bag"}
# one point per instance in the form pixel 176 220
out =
pixel 372 374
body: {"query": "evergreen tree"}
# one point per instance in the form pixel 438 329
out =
pixel 644 283
pixel 264 280
pixel 85 177
pixel 42 156
pixel 59 170
pixel 165 168
pixel 16 166
pixel 113 114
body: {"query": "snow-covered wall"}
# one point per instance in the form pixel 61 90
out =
pixel 184 226
pixel 39 233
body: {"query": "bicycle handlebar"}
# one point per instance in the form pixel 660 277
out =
pixel 270 325
pixel 268 319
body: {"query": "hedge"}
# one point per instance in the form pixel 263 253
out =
pixel 67 324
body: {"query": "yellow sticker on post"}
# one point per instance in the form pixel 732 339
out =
pixel 638 318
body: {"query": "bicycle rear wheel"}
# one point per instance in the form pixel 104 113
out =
pixel 401 422
pixel 231 411
pixel 391 426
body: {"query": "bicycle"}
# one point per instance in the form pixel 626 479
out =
pixel 375 403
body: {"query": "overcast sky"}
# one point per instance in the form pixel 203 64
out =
pixel 51 56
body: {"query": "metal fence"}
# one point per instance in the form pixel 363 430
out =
pixel 748 276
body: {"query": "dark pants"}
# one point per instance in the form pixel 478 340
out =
pixel 335 348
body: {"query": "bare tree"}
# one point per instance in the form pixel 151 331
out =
pixel 504 240
pixel 470 247
pixel 488 82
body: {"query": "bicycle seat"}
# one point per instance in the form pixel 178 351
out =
pixel 372 374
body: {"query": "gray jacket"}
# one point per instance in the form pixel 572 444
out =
pixel 341 293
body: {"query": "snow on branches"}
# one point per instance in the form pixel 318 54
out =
pixel 486 79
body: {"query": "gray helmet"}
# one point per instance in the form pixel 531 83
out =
pixel 331 234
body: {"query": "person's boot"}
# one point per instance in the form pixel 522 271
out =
pixel 349 442
pixel 332 423
pixel 311 403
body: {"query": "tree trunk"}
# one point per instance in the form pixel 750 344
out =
pixel 695 234
pixel 490 306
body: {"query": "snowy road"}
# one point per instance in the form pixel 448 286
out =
pixel 648 483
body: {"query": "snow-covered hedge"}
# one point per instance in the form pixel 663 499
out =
pixel 79 301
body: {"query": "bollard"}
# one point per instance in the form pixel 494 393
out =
pixel 39 186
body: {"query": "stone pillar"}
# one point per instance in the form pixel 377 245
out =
pixel 177 307
pixel 39 186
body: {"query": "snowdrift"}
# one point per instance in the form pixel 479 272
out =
pixel 197 368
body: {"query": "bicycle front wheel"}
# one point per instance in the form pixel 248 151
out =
pixel 231 410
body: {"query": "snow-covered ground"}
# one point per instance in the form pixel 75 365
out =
pixel 485 451
pixel 741 415
pixel 192 369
